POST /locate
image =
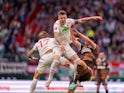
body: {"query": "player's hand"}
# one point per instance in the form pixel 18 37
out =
pixel 99 18
pixel 107 77
pixel 32 58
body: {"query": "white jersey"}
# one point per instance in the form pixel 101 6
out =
pixel 43 45
pixel 64 31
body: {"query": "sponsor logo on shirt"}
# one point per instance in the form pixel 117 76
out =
pixel 65 29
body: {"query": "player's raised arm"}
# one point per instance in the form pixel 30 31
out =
pixel 74 39
pixel 82 20
pixel 85 38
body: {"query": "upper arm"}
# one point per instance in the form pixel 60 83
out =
pixel 71 21
pixel 35 47
pixel 33 50
pixel 74 39
pixel 56 27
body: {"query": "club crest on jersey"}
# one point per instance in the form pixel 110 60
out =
pixel 65 29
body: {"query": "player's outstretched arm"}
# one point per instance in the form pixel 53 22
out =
pixel 74 39
pixel 86 39
pixel 82 20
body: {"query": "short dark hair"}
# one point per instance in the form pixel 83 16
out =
pixel 62 12
pixel 43 34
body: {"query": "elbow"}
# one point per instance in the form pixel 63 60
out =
pixel 28 54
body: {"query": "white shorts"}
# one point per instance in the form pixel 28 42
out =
pixel 46 62
pixel 69 52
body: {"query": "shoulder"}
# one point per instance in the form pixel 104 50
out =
pixel 50 38
pixel 56 23
pixel 70 19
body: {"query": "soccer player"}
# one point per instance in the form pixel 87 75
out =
pixel 45 48
pixel 102 71
pixel 63 37
pixel 89 54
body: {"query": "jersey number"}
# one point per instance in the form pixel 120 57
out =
pixel 44 42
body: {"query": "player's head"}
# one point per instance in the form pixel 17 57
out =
pixel 101 55
pixel 43 34
pixel 62 16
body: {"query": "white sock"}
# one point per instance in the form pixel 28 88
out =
pixel 71 66
pixel 52 69
pixel 75 70
pixel 33 85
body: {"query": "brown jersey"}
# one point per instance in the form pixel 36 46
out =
pixel 89 55
pixel 102 68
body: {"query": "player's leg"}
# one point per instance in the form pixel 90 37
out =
pixel 55 63
pixel 105 86
pixel 98 87
pixel 98 82
pixel 66 63
pixel 42 66
pixel 40 69
pixel 34 82
pixel 70 54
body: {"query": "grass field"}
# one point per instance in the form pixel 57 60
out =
pixel 23 86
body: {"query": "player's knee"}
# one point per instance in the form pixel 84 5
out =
pixel 77 60
pixel 37 75
pixel 66 65
pixel 54 65
pixel 52 70
pixel 56 57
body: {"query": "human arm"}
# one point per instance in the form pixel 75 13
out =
pixel 108 69
pixel 74 39
pixel 30 53
pixel 86 39
pixel 82 20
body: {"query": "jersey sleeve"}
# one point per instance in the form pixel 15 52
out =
pixel 35 47
pixel 71 21
pixel 56 27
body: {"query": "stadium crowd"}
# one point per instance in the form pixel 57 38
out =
pixel 18 33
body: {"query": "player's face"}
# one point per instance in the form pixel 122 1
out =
pixel 62 19
pixel 101 55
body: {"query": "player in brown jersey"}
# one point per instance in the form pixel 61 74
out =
pixel 102 75
pixel 89 54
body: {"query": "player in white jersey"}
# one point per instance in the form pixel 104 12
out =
pixel 45 48
pixel 63 37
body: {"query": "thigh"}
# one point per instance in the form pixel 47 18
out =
pixel 85 77
pixel 98 81
pixel 84 74
pixel 104 82
pixel 44 62
pixel 57 51
pixel 69 52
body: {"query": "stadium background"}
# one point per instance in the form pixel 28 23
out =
pixel 22 20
